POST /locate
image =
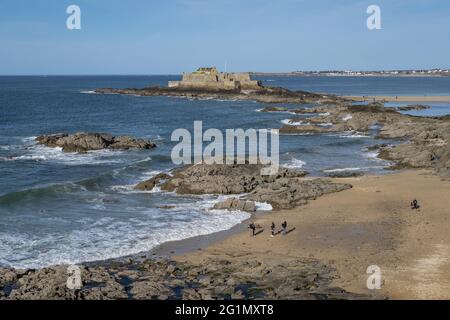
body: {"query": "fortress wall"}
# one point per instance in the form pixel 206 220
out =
pixel 192 77
pixel 251 85
pixel 243 77
pixel 219 81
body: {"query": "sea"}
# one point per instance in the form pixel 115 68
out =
pixel 69 208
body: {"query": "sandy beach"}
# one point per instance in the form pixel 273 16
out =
pixel 370 224
pixel 416 99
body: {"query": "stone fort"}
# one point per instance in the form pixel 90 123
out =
pixel 211 78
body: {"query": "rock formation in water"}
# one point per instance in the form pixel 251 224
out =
pixel 286 189
pixel 426 138
pixel 83 142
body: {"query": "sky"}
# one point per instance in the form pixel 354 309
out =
pixel 174 36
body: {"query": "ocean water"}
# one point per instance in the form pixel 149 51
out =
pixel 369 86
pixel 60 207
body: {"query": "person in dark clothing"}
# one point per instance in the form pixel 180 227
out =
pixel 272 228
pixel 415 204
pixel 284 227
pixel 252 227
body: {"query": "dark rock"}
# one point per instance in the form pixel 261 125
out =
pixel 83 142
pixel 286 189
pixel 236 204
pixel 149 184
pixel 344 174
pixel 274 109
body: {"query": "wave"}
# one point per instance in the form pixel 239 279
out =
pixel 94 238
pixel 105 238
pixel 295 164
pixel 130 188
pixel 353 135
pixel 289 122
pixel 263 206
pixel 9 147
pixel 368 168
pixel 41 191
pixel 37 152
pixel 342 169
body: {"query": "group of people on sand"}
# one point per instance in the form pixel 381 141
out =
pixel 414 206
pixel 283 230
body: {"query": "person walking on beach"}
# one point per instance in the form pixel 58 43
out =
pixel 284 227
pixel 272 228
pixel 252 227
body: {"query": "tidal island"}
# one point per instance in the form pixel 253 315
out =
pixel 209 83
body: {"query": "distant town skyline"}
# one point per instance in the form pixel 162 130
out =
pixel 171 37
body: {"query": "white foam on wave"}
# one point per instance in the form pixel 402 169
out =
pixel 295 164
pixel 326 124
pixel 105 238
pixel 88 92
pixel 374 155
pixel 289 122
pixel 263 206
pixel 130 188
pixel 353 135
pixel 367 168
pixel 37 152
pixel 342 169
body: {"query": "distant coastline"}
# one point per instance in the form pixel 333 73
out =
pixel 349 73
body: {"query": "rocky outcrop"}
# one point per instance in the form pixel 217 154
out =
pixel 286 189
pixel 344 174
pixel 413 107
pixel 83 142
pixel 287 193
pixel 236 204
pixel 212 279
pixel 427 138
pixel 263 94
pixel 274 109
pixel 342 118
pixel 149 184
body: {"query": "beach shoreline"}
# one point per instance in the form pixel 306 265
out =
pixel 345 232
pixel 370 224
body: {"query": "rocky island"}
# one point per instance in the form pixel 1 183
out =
pixel 82 142
pixel 206 83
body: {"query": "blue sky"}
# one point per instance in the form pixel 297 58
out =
pixel 172 36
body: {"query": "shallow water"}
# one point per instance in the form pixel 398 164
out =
pixel 60 207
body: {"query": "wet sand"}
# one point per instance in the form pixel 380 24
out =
pixel 412 99
pixel 370 224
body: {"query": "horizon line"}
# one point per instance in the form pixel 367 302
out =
pixel 178 74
